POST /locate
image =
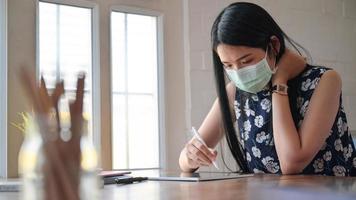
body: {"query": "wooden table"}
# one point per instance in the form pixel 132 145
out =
pixel 256 187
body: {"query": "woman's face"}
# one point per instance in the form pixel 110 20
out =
pixel 238 57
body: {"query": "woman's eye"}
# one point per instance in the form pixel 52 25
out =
pixel 245 61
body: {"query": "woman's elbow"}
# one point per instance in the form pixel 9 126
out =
pixel 292 166
pixel 290 170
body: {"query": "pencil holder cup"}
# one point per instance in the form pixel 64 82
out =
pixel 57 159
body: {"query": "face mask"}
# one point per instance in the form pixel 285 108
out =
pixel 252 78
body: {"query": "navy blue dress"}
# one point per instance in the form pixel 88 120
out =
pixel 253 112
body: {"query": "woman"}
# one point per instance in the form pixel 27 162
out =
pixel 308 132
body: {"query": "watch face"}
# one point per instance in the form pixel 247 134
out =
pixel 282 88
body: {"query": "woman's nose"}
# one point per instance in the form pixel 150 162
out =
pixel 235 67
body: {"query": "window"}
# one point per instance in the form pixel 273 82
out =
pixel 67 46
pixel 3 88
pixel 136 113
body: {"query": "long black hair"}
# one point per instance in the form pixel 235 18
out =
pixel 245 24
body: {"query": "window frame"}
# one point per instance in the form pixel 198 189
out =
pixel 160 78
pixel 96 95
pixel 3 89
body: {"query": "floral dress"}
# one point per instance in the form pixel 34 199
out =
pixel 254 121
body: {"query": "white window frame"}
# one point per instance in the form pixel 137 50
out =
pixel 160 75
pixel 3 89
pixel 96 96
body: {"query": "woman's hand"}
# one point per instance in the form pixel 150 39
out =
pixel 290 65
pixel 198 154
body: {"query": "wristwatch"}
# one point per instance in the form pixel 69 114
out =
pixel 280 89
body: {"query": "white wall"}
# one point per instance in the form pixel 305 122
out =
pixel 327 28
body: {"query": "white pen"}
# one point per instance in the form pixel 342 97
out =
pixel 196 134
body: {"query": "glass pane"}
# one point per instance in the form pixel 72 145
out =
pixel 75 44
pixel 118 53
pixel 134 91
pixel 48 42
pixel 119 139
pixel 65 49
pixel 141 53
pixel 143 132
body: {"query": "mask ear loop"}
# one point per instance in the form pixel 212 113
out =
pixel 274 70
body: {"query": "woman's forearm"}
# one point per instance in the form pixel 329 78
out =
pixel 286 137
pixel 297 148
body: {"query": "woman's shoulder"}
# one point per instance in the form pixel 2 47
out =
pixel 313 71
pixel 310 77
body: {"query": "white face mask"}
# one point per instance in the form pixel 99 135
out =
pixel 252 78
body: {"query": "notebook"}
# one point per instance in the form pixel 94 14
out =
pixel 196 177
pixel 106 174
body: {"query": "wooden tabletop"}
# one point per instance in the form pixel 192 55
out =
pixel 257 187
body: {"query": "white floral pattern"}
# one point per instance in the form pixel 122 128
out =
pixel 327 156
pixel 247 109
pixel 270 165
pixel 318 165
pixel 340 127
pixel 256 152
pixel 254 97
pixel 310 84
pixel 322 70
pixel 248 157
pixel 338 145
pixel 339 170
pixel 348 152
pixel 266 105
pixel 262 137
pixel 306 84
pixel 237 109
pixel 304 108
pixel 247 128
pixel 259 121
pixel 314 83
